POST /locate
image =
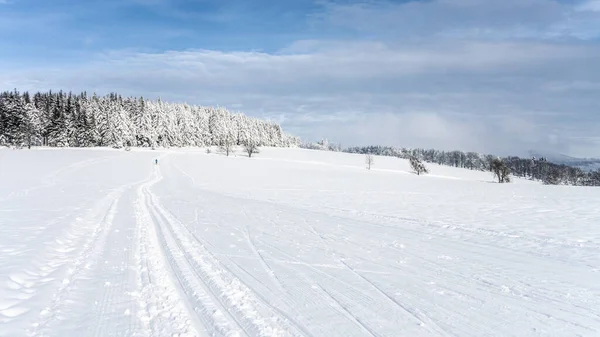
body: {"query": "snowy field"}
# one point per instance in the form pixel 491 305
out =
pixel 101 242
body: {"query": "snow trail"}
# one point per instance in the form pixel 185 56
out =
pixel 90 251
pixel 249 313
pixel 163 293
pixel 290 243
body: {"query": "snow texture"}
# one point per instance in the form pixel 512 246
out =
pixel 290 242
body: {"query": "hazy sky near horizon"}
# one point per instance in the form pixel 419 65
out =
pixel 495 76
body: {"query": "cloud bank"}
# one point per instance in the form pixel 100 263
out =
pixel 491 76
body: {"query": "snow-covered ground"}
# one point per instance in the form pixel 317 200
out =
pixel 101 242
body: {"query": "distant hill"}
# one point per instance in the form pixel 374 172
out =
pixel 586 164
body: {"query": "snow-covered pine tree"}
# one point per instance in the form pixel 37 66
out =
pixel 64 119
pixel 32 126
pixel 201 115
pixel 417 165
pixel 60 127
pixel 13 120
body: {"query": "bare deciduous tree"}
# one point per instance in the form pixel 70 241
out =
pixel 250 147
pixel 369 160
pixel 227 146
pixel 417 165
pixel 500 170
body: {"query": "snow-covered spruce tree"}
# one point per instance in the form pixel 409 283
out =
pixel 13 120
pixel 65 119
pixel 417 165
pixel 32 126
pixel 20 121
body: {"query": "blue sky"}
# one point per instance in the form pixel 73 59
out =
pixel 500 76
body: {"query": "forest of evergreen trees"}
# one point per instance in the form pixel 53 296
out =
pixel 60 119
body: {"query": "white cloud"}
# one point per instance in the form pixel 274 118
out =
pixel 471 95
pixel 497 19
pixel 498 76
pixel 592 5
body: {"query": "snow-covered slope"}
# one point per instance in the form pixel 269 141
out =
pixel 98 242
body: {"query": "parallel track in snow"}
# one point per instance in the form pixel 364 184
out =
pixel 215 299
pixel 202 253
pixel 101 218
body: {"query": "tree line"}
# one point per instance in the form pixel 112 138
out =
pixel 529 168
pixel 60 119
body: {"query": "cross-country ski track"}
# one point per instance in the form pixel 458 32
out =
pixel 290 242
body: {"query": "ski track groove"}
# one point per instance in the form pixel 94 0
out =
pixel 489 286
pixel 144 280
pixel 421 317
pixel 225 278
pixel 447 270
pixel 315 268
pixel 358 293
pixel 91 249
pixel 342 309
pixel 297 325
pixel 261 259
pixel 338 307
pixel 431 325
pixel 181 266
pixel 257 293
pixel 293 324
pixel 119 288
pixel 473 280
pixel 307 296
pixel 103 306
pixel 162 308
pixel 269 271
pixel 333 302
